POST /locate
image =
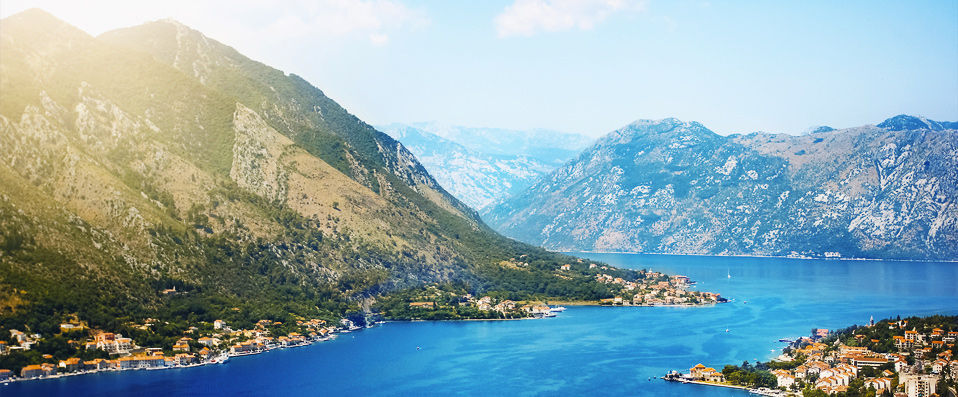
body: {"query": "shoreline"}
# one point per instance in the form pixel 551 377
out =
pixel 110 370
pixel 223 355
pixel 310 343
pixel 698 382
pixel 759 256
pixel 419 320
pixel 761 392
pixel 227 356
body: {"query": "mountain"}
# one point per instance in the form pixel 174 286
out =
pixel 904 122
pixel 885 191
pixel 155 157
pixel 818 129
pixel 547 146
pixel 482 174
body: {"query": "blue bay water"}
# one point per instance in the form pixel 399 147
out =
pixel 586 350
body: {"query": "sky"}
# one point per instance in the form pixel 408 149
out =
pixel 586 66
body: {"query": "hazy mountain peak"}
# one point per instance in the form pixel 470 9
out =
pixel 33 15
pixel 482 165
pixel 172 21
pixel 666 124
pixel 503 141
pixel 903 122
pixel 670 121
pixel 818 130
pixel 41 27
pixel 668 128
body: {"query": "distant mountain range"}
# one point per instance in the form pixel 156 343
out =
pixel 481 166
pixel 877 191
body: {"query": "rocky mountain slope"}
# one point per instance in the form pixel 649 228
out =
pixel 494 165
pixel 154 157
pixel 885 191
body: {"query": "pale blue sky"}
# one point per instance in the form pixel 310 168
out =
pixel 588 66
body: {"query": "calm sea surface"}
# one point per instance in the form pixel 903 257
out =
pixel 584 351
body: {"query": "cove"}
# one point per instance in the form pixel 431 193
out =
pixel 586 350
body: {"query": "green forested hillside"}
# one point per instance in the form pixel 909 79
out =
pixel 154 157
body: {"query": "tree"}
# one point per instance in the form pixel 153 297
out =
pixel 813 393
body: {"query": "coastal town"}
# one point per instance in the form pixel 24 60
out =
pixel 657 289
pixel 211 343
pixel 641 288
pixel 79 349
pixel 899 357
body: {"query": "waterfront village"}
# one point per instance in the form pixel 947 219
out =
pixel 657 289
pixel 97 350
pixel 445 302
pixel 900 358
pixel 214 343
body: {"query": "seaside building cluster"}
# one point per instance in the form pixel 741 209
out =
pixel 890 356
pixel 504 308
pixel 901 358
pixel 657 289
pixel 209 345
pixel 648 289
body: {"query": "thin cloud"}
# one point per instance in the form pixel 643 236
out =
pixel 529 17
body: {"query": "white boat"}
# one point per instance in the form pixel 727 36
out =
pixel 557 309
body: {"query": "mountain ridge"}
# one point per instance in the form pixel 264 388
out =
pixel 676 187
pixel 483 165
pixel 152 157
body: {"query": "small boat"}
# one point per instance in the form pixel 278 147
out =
pixel 730 274
pixel 557 309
